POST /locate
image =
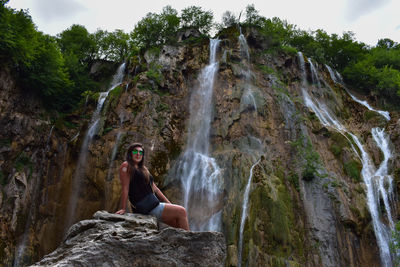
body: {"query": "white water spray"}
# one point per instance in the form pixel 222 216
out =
pixel 244 212
pixel 314 74
pixel 248 96
pixel 92 130
pixel 365 103
pixel 336 78
pixel 199 173
pixel 20 249
pixel 378 182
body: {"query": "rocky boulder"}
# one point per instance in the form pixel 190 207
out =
pixel 135 240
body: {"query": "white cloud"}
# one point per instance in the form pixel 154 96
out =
pixel 53 10
pixel 359 8
pixel 370 20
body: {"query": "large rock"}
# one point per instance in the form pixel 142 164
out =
pixel 135 240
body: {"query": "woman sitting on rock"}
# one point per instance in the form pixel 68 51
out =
pixel 144 195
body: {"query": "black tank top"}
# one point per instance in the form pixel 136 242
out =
pixel 138 188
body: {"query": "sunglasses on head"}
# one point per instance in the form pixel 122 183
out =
pixel 134 152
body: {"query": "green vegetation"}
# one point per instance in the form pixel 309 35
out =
pixel 305 151
pixel 338 143
pixel 23 161
pixel 114 96
pixel 395 244
pixel 56 68
pixel 353 169
pixel 371 70
pixel 154 74
pixel 195 17
pixel 293 178
pixel 272 223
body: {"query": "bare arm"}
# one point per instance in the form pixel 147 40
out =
pixel 159 194
pixel 124 178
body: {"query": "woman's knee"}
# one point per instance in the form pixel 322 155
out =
pixel 182 211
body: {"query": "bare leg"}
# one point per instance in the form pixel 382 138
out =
pixel 175 215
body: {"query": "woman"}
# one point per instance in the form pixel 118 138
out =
pixel 137 183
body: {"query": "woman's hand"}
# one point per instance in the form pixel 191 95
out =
pixel 121 211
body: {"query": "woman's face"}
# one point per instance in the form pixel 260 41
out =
pixel 137 155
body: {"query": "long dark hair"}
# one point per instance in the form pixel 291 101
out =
pixel 131 165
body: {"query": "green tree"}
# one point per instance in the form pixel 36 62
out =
pixel 387 44
pixel 112 46
pixel 156 29
pixel 77 41
pixel 33 58
pixel 18 37
pixel 195 17
pixel 252 17
pixel 79 51
pixel 228 19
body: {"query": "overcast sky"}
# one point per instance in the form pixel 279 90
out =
pixel 370 20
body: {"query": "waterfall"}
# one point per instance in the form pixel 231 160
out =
pixel 314 74
pixel 379 183
pixel 244 213
pixel 336 78
pixel 247 97
pixel 199 173
pixel 365 103
pixel 92 130
pixel 115 150
pixel 20 248
pixel 113 155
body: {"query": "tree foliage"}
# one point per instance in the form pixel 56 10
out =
pixel 33 57
pixel 113 46
pixel 195 17
pixel 77 41
pixel 57 68
pixel 156 29
pixel 373 70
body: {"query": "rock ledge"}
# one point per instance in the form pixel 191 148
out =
pixel 135 240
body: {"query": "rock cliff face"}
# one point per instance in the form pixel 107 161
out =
pixel 134 240
pixel 307 201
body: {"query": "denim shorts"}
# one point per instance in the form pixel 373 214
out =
pixel 157 211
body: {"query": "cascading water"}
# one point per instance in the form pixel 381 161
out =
pixel 336 78
pixel 21 247
pixel 379 183
pixel 332 74
pixel 199 173
pixel 247 97
pixel 244 213
pixel 92 130
pixel 365 103
pixel 314 74
pixel 115 150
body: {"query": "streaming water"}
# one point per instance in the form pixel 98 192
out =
pixel 379 183
pixel 92 130
pixel 115 149
pixel 244 213
pixel 248 98
pixel 365 103
pixel 336 78
pixel 21 247
pixel 199 173
pixel 314 74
